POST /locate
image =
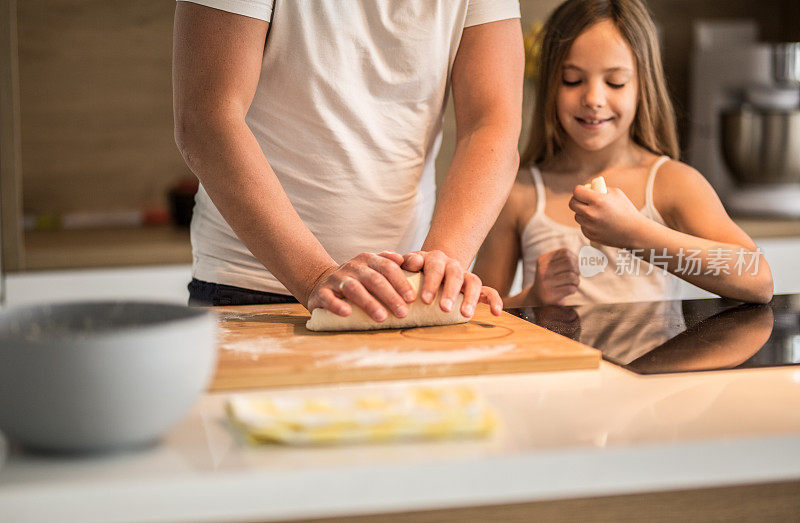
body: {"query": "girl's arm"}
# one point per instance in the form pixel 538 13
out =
pixel 701 245
pixel 496 262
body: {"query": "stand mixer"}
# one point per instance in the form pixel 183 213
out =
pixel 745 118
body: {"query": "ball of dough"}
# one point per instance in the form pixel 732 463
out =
pixel 419 314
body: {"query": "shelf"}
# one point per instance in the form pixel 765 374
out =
pixel 163 245
pixel 70 249
pixel 769 227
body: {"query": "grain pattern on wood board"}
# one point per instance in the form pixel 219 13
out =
pixel 268 345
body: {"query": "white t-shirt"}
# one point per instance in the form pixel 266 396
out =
pixel 348 112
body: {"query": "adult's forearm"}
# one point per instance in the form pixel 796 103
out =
pixel 223 153
pixel 477 184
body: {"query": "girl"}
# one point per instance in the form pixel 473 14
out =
pixel 602 109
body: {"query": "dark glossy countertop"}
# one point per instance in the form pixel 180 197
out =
pixel 682 335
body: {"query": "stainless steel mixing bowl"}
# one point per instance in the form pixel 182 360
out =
pixel 762 147
pixel 786 64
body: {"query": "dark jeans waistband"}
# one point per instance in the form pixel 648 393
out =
pixel 206 294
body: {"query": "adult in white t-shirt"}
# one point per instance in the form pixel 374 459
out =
pixel 313 127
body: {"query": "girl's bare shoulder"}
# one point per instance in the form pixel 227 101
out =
pixel 678 184
pixel 674 177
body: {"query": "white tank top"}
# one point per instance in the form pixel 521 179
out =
pixel 625 278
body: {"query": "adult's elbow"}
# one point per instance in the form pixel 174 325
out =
pixel 510 166
pixel 513 158
pixel 188 133
pixel 511 144
pixel 506 142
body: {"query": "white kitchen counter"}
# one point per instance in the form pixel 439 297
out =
pixel 563 434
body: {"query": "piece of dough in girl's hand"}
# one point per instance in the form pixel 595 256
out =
pixel 419 314
pixel 598 185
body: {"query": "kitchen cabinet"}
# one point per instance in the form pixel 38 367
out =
pixel 87 128
pixel 10 159
pixel 106 247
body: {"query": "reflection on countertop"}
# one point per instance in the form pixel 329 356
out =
pixel 680 336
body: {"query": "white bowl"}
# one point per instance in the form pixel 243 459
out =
pixel 96 376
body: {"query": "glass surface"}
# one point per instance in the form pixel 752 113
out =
pixel 681 336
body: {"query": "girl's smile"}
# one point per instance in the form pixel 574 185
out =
pixel 592 123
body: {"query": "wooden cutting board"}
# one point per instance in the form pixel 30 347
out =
pixel 268 345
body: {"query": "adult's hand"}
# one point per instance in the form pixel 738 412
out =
pixel 372 282
pixel 443 271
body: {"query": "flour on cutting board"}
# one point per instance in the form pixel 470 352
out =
pixel 362 356
pixel 366 357
pixel 238 316
pixel 256 347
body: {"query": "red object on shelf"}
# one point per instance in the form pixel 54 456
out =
pixel 186 186
pixel 155 216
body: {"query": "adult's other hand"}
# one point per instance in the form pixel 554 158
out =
pixel 373 282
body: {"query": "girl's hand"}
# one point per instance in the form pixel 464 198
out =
pixel 556 278
pixel 610 219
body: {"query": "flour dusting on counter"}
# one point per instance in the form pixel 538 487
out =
pixel 366 357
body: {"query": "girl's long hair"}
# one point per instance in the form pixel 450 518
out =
pixel 654 125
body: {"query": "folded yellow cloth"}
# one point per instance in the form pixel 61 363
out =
pixel 410 413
